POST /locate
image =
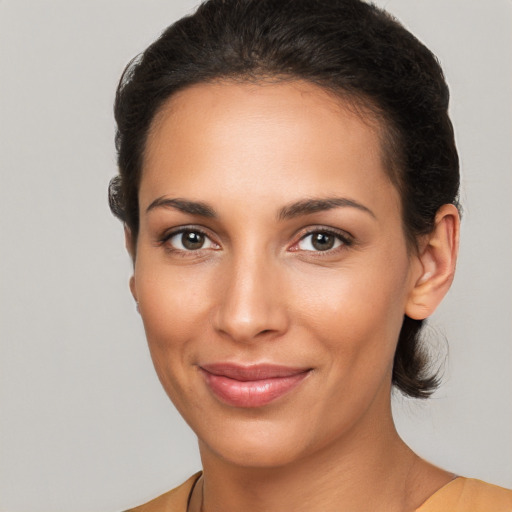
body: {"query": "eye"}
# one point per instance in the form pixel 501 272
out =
pixel 189 240
pixel 321 241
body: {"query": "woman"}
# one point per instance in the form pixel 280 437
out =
pixel 288 183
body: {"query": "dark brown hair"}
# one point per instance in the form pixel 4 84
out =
pixel 349 47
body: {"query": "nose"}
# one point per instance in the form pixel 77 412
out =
pixel 252 301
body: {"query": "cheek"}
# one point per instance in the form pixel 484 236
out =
pixel 355 321
pixel 174 308
pixel 171 310
pixel 171 299
pixel 358 295
pixel 357 311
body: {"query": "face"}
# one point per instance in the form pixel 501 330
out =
pixel 272 270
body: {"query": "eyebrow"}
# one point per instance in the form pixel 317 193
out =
pixel 290 211
pixel 183 205
pixel 309 206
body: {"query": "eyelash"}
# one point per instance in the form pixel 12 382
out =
pixel 164 239
pixel 344 238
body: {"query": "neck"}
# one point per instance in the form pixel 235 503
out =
pixel 369 468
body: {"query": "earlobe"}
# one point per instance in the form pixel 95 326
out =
pixel 133 288
pixel 437 259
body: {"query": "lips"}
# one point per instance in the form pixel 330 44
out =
pixel 251 386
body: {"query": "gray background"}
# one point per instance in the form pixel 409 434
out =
pixel 84 425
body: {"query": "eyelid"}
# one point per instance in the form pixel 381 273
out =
pixel 346 238
pixel 170 233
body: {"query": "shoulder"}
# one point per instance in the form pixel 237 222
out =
pixel 469 495
pixel 172 501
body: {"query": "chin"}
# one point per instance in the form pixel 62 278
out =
pixel 256 443
pixel 256 454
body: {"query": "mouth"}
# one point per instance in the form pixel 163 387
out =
pixel 251 386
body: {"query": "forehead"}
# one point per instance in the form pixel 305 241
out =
pixel 261 138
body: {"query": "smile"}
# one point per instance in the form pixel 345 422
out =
pixel 251 386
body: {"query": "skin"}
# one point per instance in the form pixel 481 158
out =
pixel 258 291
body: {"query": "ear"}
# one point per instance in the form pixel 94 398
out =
pixel 134 291
pixel 130 247
pixel 129 242
pixel 437 258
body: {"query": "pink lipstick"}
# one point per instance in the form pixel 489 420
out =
pixel 251 386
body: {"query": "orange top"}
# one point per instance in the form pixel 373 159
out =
pixel 469 495
pixel 172 501
pixel 460 495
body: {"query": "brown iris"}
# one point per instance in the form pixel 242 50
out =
pixel 192 240
pixel 322 241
